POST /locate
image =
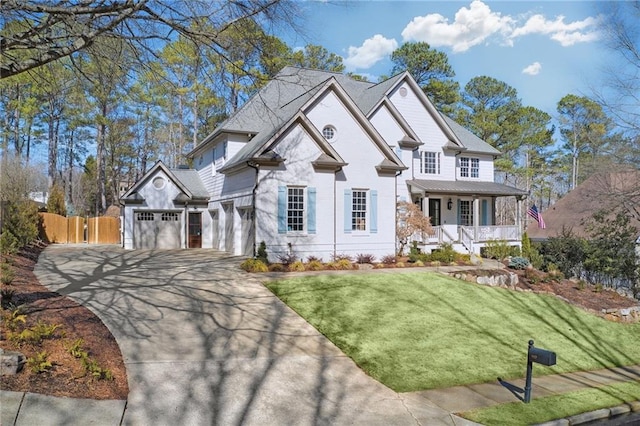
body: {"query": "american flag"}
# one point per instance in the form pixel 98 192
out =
pixel 534 213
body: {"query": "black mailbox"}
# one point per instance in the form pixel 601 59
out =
pixel 542 356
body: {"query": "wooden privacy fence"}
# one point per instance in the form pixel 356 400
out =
pixel 70 230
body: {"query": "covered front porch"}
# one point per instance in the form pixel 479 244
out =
pixel 463 213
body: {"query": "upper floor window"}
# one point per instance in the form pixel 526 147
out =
pixel 430 162
pixel 329 132
pixel 469 167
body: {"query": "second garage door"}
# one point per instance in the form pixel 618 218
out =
pixel 157 230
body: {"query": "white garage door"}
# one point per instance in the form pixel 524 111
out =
pixel 157 230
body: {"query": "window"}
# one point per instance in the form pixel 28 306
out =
pixel 295 209
pixel 144 216
pixel 466 213
pixel 329 132
pixel 359 211
pixel 169 217
pixel 469 167
pixel 430 162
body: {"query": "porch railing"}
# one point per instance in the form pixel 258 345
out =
pixel 468 235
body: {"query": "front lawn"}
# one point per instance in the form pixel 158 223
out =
pixel 420 330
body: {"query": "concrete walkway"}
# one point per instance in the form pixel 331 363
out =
pixel 206 344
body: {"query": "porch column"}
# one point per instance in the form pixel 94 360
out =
pixel 519 216
pixel 493 211
pixel 476 217
pixel 425 204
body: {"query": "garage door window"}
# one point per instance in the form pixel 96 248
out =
pixel 170 217
pixel 144 216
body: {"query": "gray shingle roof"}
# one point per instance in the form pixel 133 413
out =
pixel 464 187
pixel 471 142
pixel 281 99
pixel 191 180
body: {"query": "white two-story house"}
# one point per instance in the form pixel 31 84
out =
pixel 314 164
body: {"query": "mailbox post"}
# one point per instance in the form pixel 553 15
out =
pixel 541 356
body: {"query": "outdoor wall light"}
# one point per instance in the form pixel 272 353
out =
pixel 449 204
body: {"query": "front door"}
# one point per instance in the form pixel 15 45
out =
pixel 434 211
pixel 195 230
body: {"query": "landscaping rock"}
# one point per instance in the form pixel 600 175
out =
pixel 10 362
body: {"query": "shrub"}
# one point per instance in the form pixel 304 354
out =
pixel 418 263
pixel 343 264
pixel 6 297
pixel 55 203
pixel 262 255
pixel 419 257
pixel 598 287
pixel 314 265
pixel 365 258
pixel 277 267
pixel 338 257
pixel 444 254
pixel 389 259
pixel 518 263
pixel 532 276
pixel 400 265
pixel 296 266
pixel 496 249
pixel 6 273
pixel 287 258
pixel 581 284
pixel 254 265
pixel 313 259
pixel 39 363
pixel 19 225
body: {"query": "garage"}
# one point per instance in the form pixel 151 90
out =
pixel 157 229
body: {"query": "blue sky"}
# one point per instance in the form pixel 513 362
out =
pixel 543 49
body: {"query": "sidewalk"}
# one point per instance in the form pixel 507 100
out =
pixel 20 408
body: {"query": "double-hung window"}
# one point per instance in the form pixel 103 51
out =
pixel 296 209
pixel 359 210
pixel 469 167
pixel 430 162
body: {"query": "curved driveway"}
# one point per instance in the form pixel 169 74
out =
pixel 205 344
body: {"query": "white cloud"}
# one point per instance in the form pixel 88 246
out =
pixel 372 50
pixel 471 26
pixel 479 24
pixel 566 34
pixel 533 69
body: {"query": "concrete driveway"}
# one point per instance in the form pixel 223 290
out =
pixel 205 343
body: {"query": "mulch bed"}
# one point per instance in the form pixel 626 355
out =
pixel 68 377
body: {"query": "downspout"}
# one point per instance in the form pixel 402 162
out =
pixel 253 203
pixel 395 197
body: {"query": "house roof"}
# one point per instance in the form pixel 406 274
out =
pixel 471 142
pixel 612 191
pixel 187 180
pixel 279 101
pixel 464 187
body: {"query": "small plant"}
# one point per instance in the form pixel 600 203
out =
pixel 313 258
pixel 254 265
pixel 598 288
pixel 532 276
pixel 582 284
pixel 287 258
pixel 365 258
pixel 76 350
pixel 399 264
pixel 39 363
pixel 277 267
pixel 36 333
pixel 418 263
pixel 6 297
pixel 296 266
pixel 518 262
pixel 314 265
pixel 91 366
pixel 344 264
pixel 389 259
pixel 13 318
pixel 262 253
pixel 338 257
pixel 6 274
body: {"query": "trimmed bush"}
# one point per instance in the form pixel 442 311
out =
pixel 518 263
pixel 254 265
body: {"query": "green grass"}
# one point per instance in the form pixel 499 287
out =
pixel 556 407
pixel 416 330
